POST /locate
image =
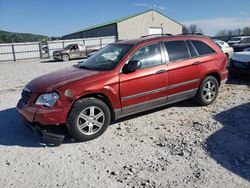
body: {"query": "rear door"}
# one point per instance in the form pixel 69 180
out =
pixel 82 52
pixel 183 70
pixel 146 87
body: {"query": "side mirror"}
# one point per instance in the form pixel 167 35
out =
pixel 131 66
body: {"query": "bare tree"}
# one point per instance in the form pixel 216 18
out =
pixel 234 32
pixel 221 33
pixel 191 29
pixel 246 31
pixel 237 31
pixel 185 30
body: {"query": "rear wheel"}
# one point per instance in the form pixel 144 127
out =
pixel 88 119
pixel 65 57
pixel 208 91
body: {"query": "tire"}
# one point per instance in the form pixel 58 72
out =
pixel 65 57
pixel 207 92
pixel 88 119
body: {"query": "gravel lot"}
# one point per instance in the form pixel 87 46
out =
pixel 181 145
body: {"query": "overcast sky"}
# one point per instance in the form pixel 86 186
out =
pixel 60 17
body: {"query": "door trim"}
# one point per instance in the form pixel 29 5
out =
pixel 163 101
pixel 144 93
pixel 183 83
pixel 159 90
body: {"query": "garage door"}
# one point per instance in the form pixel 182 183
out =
pixel 155 30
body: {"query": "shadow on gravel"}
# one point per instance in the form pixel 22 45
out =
pixel 50 61
pixel 238 80
pixel 230 146
pixel 15 133
pixel 59 61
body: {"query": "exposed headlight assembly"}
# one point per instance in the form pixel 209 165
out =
pixel 47 99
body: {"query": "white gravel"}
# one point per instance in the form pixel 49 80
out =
pixel 181 145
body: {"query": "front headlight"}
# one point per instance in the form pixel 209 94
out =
pixel 47 99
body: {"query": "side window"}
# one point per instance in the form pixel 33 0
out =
pixel 191 49
pixel 148 55
pixel 177 50
pixel 73 47
pixel 202 48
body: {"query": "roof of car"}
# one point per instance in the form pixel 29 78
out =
pixel 155 37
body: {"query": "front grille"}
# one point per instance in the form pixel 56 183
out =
pixel 26 94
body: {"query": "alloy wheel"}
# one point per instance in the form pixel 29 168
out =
pixel 209 91
pixel 90 120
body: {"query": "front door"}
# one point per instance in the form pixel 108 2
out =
pixel 146 87
pixel 74 51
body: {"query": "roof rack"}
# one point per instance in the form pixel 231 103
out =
pixel 163 34
pixel 196 33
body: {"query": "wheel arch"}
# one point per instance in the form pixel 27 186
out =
pixel 227 55
pixel 214 74
pixel 65 53
pixel 99 96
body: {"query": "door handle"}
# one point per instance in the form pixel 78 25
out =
pixel 196 63
pixel 160 71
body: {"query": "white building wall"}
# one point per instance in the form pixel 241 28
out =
pixel 139 25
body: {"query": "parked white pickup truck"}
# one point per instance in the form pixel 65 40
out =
pixel 73 51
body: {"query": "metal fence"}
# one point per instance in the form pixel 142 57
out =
pixel 18 51
pixel 32 50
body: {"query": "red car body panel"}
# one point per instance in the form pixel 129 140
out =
pixel 122 90
pixel 148 79
pixel 51 81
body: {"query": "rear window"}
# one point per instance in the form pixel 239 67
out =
pixel 177 50
pixel 202 48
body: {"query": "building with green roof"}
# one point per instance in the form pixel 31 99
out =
pixel 134 26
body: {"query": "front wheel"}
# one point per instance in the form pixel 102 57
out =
pixel 207 92
pixel 65 57
pixel 88 119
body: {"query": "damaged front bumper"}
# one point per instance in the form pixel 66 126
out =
pixel 36 120
pixel 46 134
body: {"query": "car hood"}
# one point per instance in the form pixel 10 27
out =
pixel 54 80
pixel 60 51
pixel 241 56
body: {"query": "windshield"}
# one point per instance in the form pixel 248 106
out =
pixel 106 58
pixel 68 47
pixel 236 39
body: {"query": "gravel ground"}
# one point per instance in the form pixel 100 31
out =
pixel 181 145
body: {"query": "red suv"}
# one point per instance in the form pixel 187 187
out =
pixel 122 79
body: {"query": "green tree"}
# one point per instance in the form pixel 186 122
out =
pixel 10 37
